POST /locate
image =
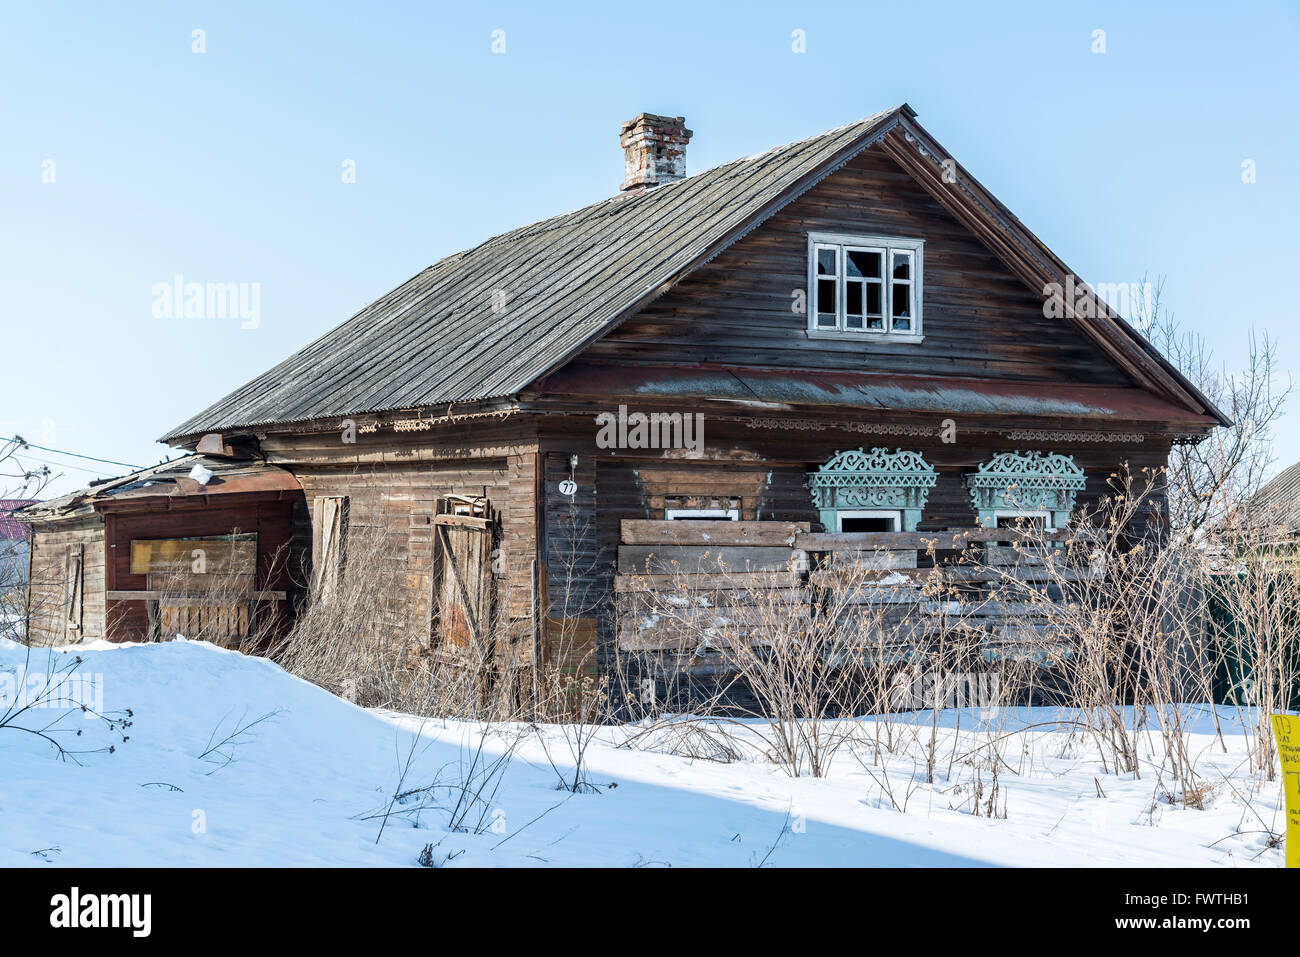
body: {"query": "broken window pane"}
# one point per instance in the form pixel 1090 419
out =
pixel 902 265
pixel 861 263
pixel 825 262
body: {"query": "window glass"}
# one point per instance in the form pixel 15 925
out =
pixel 826 309
pixel 902 301
pixel 865 288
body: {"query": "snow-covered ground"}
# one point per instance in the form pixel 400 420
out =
pixel 310 782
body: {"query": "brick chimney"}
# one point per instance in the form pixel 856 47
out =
pixel 654 150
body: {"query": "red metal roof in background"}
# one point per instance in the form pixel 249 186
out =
pixel 10 528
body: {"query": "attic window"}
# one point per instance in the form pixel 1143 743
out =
pixel 864 287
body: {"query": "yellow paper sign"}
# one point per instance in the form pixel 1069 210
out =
pixel 1286 732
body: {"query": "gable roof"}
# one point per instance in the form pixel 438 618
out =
pixel 487 322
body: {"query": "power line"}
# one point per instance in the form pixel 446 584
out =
pixel 64 465
pixel 76 455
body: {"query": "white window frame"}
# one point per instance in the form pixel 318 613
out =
pixel 891 513
pixel 731 514
pixel 888 246
pixel 1046 516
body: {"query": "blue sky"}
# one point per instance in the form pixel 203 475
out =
pixel 225 166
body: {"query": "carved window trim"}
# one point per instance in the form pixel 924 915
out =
pixel 856 480
pixel 1025 483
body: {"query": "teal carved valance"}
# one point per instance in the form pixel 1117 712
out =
pixel 1015 482
pixel 857 480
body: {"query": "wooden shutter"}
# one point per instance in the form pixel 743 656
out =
pixel 73 592
pixel 329 542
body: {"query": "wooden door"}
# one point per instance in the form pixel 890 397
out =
pixel 465 582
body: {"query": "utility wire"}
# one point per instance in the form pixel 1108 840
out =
pixel 64 465
pixel 77 455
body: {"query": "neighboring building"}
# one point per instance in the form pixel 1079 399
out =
pixel 853 290
pixel 1278 501
pixel 158 552
pixel 13 544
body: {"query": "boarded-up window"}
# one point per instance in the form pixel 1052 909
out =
pixel 202 588
pixel 73 592
pixel 200 562
pixel 329 542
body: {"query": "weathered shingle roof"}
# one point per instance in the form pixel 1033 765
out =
pixel 438 338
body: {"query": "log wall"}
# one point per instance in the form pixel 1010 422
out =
pixel 979 318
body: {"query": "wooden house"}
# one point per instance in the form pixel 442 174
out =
pixel 845 335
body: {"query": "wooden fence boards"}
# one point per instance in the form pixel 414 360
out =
pixel 696 559
pixel 713 533
pixel 686 586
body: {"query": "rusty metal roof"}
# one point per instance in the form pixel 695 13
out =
pixel 866 391
pixel 170 481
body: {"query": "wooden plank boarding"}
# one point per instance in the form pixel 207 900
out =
pixel 703 532
pixel 740 581
pixel 147 594
pixel 696 559
pixel 952 540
